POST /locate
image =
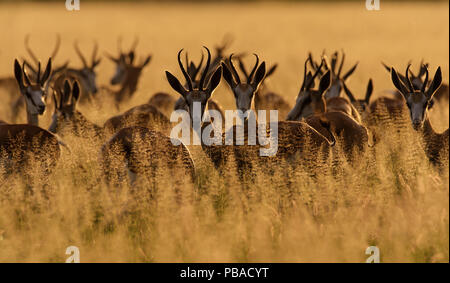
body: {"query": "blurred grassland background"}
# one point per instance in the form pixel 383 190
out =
pixel 401 204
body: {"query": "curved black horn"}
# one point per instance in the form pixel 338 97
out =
pixel 315 74
pixel 252 73
pixel 304 71
pixel 38 76
pixel 408 79
pixel 341 65
pixel 199 66
pixel 186 76
pixel 205 71
pixel 235 73
pixel 78 51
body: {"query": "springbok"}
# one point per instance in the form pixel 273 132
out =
pixel 337 79
pixel 193 70
pixel 33 92
pixel 361 105
pixel 23 146
pixel 137 147
pixel 442 94
pixel 244 91
pixel 294 138
pixel 353 134
pixel 418 101
pixel 127 74
pixel 144 153
pixel 308 100
pixel 86 75
pixel 67 119
pixel 265 99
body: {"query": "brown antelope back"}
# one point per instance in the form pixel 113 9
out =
pixel 22 146
pixel 164 102
pixel 145 115
pixel 143 152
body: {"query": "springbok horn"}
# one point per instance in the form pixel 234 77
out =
pixel 186 76
pixel 250 77
pixel 201 85
pixel 77 49
pixel 408 79
pixel 30 52
pixel 304 72
pixel 235 73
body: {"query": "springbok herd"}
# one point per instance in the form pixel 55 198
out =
pixel 327 118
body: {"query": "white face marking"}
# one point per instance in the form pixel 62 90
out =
pixel 35 101
pixel 244 96
pixel 417 104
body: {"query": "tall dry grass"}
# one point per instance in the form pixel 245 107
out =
pixel 392 197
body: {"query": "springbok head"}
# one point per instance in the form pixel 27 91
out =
pixel 65 107
pixel 337 78
pixel 200 94
pixel 33 91
pixel 87 73
pixel 418 101
pixel 244 91
pixel 309 100
pixel 126 70
pixel 360 104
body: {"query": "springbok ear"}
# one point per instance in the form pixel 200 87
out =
pixel 369 91
pixel 325 82
pixel 215 80
pixel 175 84
pixel 75 93
pixel 435 84
pixel 259 76
pixel 67 90
pixel 47 72
pixel 398 83
pixel 350 72
pixel 18 74
pixel 228 76
pixel 149 58
pixel 271 70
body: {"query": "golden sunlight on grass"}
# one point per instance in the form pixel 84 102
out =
pixel 392 198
